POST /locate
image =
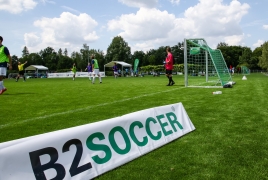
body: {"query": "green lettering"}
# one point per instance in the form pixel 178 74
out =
pixel 133 136
pixel 172 118
pixel 148 130
pixel 163 125
pixel 126 139
pixel 99 147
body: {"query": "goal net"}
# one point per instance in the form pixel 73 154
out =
pixel 245 70
pixel 203 66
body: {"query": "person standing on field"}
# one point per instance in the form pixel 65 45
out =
pixel 95 69
pixel 89 70
pixel 115 69
pixel 169 66
pixel 74 71
pixel 21 71
pixel 5 58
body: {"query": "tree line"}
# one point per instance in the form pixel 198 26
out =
pixel 119 50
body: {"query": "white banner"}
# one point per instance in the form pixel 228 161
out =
pixel 84 152
pixel 70 74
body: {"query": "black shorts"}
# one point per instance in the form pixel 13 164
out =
pixel 21 73
pixel 168 72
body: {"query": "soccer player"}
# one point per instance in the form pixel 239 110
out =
pixel 21 71
pixel 89 69
pixel 74 71
pixel 169 67
pixel 5 58
pixel 126 72
pixel 115 69
pixel 95 69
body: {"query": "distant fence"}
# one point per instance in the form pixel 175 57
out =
pixel 258 71
pixel 70 74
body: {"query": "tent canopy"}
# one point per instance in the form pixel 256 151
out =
pixel 111 64
pixel 36 68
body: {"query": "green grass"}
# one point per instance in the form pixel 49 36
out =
pixel 230 140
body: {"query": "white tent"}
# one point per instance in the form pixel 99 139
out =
pixel 111 64
pixel 36 68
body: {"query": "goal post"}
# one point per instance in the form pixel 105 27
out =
pixel 204 66
pixel 245 70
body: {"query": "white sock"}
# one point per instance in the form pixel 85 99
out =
pixel 1 86
pixel 93 79
pixel 100 79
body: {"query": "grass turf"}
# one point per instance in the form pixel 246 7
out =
pixel 230 140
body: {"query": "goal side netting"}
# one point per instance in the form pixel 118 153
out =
pixel 204 66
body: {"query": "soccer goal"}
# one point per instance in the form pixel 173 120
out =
pixel 203 66
pixel 245 70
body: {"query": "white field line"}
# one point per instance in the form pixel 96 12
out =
pixel 82 109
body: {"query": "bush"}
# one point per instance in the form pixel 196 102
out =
pixel 63 70
pixel 109 73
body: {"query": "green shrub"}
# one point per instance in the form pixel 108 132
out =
pixel 109 73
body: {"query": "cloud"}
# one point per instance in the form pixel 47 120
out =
pixel 17 6
pixel 31 39
pixel 209 19
pixel 71 9
pixel 67 31
pixel 145 25
pixel 175 1
pixel 140 3
pixel 47 1
pixel 265 27
pixel 258 43
pixel 234 39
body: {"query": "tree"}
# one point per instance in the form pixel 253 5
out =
pixel 263 59
pixel 160 55
pixel 231 54
pixel 34 58
pixel 25 51
pixel 256 54
pixel 65 52
pixel 85 53
pixel 118 50
pixel 178 53
pixel 222 44
pixel 65 62
pixel 245 58
pixel 15 60
pixel 140 56
pixel 152 59
pixel 60 52
pixel 77 59
pixel 49 58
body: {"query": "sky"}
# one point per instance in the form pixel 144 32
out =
pixel 143 24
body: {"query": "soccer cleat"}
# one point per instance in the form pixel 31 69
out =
pixel 168 85
pixel 3 90
pixel 100 82
pixel 172 83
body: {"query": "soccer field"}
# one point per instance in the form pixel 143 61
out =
pixel 230 140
